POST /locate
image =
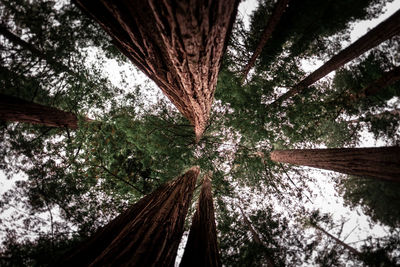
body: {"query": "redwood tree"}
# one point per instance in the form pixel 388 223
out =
pixel 16 109
pixel 202 247
pixel 178 45
pixel 147 234
pixel 376 162
pixel 385 30
pixel 279 9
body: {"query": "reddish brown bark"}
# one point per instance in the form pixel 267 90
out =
pixel 385 30
pixel 276 15
pixel 16 109
pixel 178 44
pixel 375 162
pixel 202 247
pixel 147 234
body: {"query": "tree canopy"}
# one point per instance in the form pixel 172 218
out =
pixel 129 140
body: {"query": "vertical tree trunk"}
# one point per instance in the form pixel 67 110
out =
pixel 147 234
pixel 375 162
pixel 276 15
pixel 16 109
pixel 202 247
pixel 374 37
pixel 354 251
pixel 256 238
pixel 178 44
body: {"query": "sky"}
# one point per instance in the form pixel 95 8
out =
pixel 327 200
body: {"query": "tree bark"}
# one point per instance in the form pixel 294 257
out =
pixel 385 30
pixel 388 78
pixel 202 246
pixel 16 109
pixel 338 241
pixel 276 15
pixel 376 162
pixel 178 44
pixel 147 234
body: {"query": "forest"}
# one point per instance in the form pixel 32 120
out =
pixel 200 133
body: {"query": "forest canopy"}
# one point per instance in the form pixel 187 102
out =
pixel 109 111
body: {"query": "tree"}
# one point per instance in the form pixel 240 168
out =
pixel 279 8
pixel 15 109
pixel 378 162
pixel 385 30
pixel 147 234
pixel 202 247
pixel 183 61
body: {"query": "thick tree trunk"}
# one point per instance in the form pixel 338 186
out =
pixel 276 15
pixel 147 234
pixel 338 241
pixel 256 237
pixel 375 162
pixel 178 44
pixel 385 30
pixel 16 109
pixel 202 247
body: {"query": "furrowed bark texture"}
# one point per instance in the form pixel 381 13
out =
pixel 375 162
pixel 178 44
pixel 16 109
pixel 151 234
pixel 385 30
pixel 202 247
pixel 279 9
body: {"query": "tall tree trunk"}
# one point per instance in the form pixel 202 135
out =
pixel 16 109
pixel 202 247
pixel 256 238
pixel 375 162
pixel 147 234
pixel 354 251
pixel 385 30
pixel 388 78
pixel 276 15
pixel 16 40
pixel 179 45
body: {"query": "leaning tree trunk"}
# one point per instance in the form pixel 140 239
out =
pixel 374 37
pixel 147 234
pixel 354 251
pixel 16 109
pixel 179 45
pixel 375 162
pixel 276 15
pixel 387 78
pixel 202 247
pixel 256 238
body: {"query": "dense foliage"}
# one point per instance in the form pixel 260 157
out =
pixel 127 145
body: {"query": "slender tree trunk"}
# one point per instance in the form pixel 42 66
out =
pixel 147 234
pixel 385 30
pixel 388 78
pixel 276 15
pixel 15 39
pixel 178 45
pixel 202 247
pixel 354 251
pixel 256 238
pixel 16 109
pixel 377 162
